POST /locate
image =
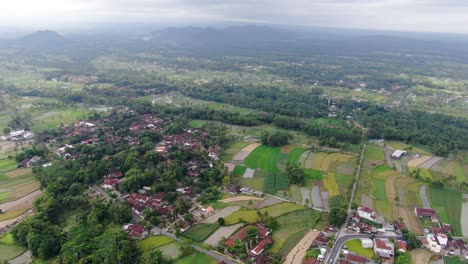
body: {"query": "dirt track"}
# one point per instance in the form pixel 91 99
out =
pixel 31 196
pixel 297 254
pixel 223 213
pixel 240 198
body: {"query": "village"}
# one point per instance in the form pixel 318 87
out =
pixel 184 207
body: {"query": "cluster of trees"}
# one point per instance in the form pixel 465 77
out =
pixel 275 139
pixel 295 173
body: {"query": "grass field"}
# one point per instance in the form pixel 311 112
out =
pixel 50 120
pixel 330 183
pixel 251 216
pixel 412 193
pixel 448 204
pixel 8 252
pixel 200 232
pixel 292 223
pixel 12 182
pixel 153 242
pixel 196 258
pixel 265 158
pixel 344 181
pixel 356 247
pixel 379 189
pixel 196 123
pixel 385 208
pixel 295 154
pixel 374 153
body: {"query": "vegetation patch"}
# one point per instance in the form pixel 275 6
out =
pixel 196 123
pixel 448 204
pixel 233 149
pixel 153 242
pixel 239 170
pixel 196 258
pixel 356 247
pixel 292 223
pixel 295 154
pixel 379 189
pixel 265 158
pixel 374 153
pixel 200 232
pixel 385 208
pixel 250 216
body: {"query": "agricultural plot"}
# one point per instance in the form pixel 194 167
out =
pixel 265 158
pixel 171 250
pixel 153 242
pixel 200 232
pixel 196 258
pixel 292 223
pixel 295 154
pixel 448 205
pixel 379 189
pixel 50 120
pixel 241 154
pixel 7 164
pixel 374 153
pixel 250 216
pixel 233 149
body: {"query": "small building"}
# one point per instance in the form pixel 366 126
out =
pixel 383 248
pixel 355 259
pixel 366 212
pixel 367 243
pixel 426 213
pixel 401 246
pixel 398 153
pixel 257 250
pixel 136 231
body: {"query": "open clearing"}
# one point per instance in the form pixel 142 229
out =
pixel 223 213
pixel 420 256
pixel 269 201
pixel 222 232
pixel 245 152
pixel 409 219
pixel 297 254
pixel 251 216
pixel 374 153
pixel 356 247
pixel 428 164
pixel 153 242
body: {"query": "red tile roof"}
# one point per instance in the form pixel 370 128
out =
pixel 366 209
pixel 425 212
pixel 356 258
pixel 401 245
pixel 381 244
pixel 310 261
pixel 261 246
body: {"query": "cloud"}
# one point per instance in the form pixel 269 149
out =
pixel 417 15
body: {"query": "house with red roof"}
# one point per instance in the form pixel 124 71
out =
pixel 260 247
pixel 355 259
pixel 366 212
pixel 310 261
pixel 383 248
pixel 111 183
pixel 426 213
pixel 136 231
pixel 401 246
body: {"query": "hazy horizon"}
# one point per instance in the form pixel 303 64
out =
pixel 387 15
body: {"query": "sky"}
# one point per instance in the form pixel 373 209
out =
pixel 401 15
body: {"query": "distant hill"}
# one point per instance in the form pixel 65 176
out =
pixel 43 39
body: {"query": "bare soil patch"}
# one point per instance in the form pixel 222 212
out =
pixel 268 202
pixel 390 187
pixel 224 231
pixel 18 172
pixel 409 219
pixel 297 254
pixel 428 164
pixel 418 161
pixel 464 217
pixel 223 213
pixel 230 166
pixel 240 157
pixel 420 256
pixel 367 201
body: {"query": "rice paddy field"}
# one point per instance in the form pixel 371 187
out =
pixel 196 258
pixel 8 248
pixel 374 153
pixel 292 224
pixel 448 205
pixel 251 216
pixel 153 242
pixel 200 232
